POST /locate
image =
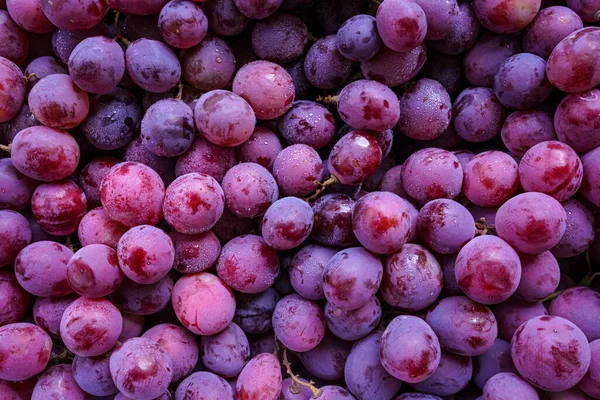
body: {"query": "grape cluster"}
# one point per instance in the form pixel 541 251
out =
pixel 299 199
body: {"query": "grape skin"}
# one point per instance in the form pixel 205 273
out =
pixel 93 271
pixel 513 313
pixel 324 66
pixel 180 344
pixel 540 276
pixel 262 148
pixel 392 68
pixel 590 383
pixel 524 129
pixel 14 300
pixel 41 269
pixel 269 33
pixel 57 381
pixel 224 18
pixel 402 25
pixel 249 190
pixel 152 65
pixel 307 123
pixel 508 385
pixel 451 376
pixel 357 39
pixel 578 305
pixel 16 43
pixel 580 231
pixel 506 16
pixel 28 15
pixel 478 115
pixel 210 65
pixel 138 299
pixel 494 361
pixel 16 189
pixel 257 10
pixel 260 378
pixel 182 24
pixel 204 157
pixel 195 253
pixel 464 32
pixel 300 331
pixel 16 234
pixel 97 64
pixel 574 120
pixel 59 207
pixel 445 225
pixel 206 384
pixel 97 227
pixel 548 28
pixel 48 311
pixel 491 178
pixel 93 375
pixel 167 128
pixel 487 54
pixel 355 157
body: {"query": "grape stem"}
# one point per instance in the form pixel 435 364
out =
pixel 321 188
pixel 179 91
pixel 311 384
pixel 6 148
pixel 118 33
pixel 312 38
pixel 328 99
pixel 483 228
pixel 552 296
pixel 32 75
pixel 376 2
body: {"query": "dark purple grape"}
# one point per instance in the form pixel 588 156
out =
pixel 268 35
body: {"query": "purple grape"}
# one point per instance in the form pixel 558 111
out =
pixel 28 15
pixel 417 396
pixel 354 157
pixel 57 382
pixel 392 182
pixel 507 385
pixel 167 128
pixel 358 39
pixel 262 148
pixel 195 253
pixel 575 122
pixel 41 269
pixel 42 67
pixel 482 61
pixel 586 9
pixel 540 275
pixel 442 178
pixel 138 299
pixel 506 16
pixel 440 17
pixel 412 278
pixel 152 65
pixel 94 271
pixel 16 235
pixel 590 185
pixel 92 374
pixel 180 344
pixel 140 367
pixel 580 231
pixel 64 41
pixel 324 66
pixel 97 64
pixel 445 225
pixel 368 105
pixel 306 270
pixel 58 207
pixel 74 16
pixel 579 305
pixel 402 25
pixel 296 169
pixel 333 220
pixel 298 323
pixel 224 18
pixel 307 123
pixel 290 390
pixel 231 226
pixel 354 324
pixel 478 115
pixel 14 300
pixel 327 360
pixel 182 23
pixel 531 222
pixel 16 44
pixel 249 190
pixel 97 227
pixel 268 34
pixel 260 378
pixel 590 383
pixel 133 325
pixel 494 361
pixel 26 350
pixel 91 177
pixel 425 100
pixel 413 363
pixel 137 7
pixel 491 178
pixel 206 158
pixel 463 33
pixel 524 129
pixel 463 326
pixel 203 303
pixel 548 28
pixel 254 311
pixel 551 353
pixel 48 311
pixel 210 65
pixel 203 385
pixel 257 10
pixel 392 68
pixel 512 313
pixel 446 69
pixel 452 375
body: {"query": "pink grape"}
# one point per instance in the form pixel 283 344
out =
pixel 16 42
pixel 45 154
pixel 41 269
pixel 195 253
pixel 287 223
pixel 354 324
pixel 94 271
pixel 260 378
pixel 306 270
pixel 296 168
pixel 507 385
pixel 402 25
pixel 92 174
pixel 463 326
pixel 249 190
pixel 355 157
pixel 203 303
pixel 575 123
pixel 182 24
pixel 298 323
pixel 392 68
pixel 531 222
pixel 445 225
pixel 578 305
pixel 204 384
pixel 478 115
pixel 261 148
pixel 227 352
pixel 451 376
pixel 326 361
pixel 524 129
pixel 97 64
pixel 97 227
pixel 491 178
pixel 29 15
pixel 14 300
pixel 90 327
pixel 253 273
pixel 494 361
pixel 26 350
pixel 74 16
pixel 132 194
pixel 482 60
pixel 139 299
pixel 559 348
pixel 58 207
pixel 324 66
pixel 92 374
pixel 590 185
pixel 307 123
pixel 152 65
pixel 206 158
pixel 333 220
pixel 540 276
pixel 48 311
pixel 58 103
pixel 580 231
pixel 16 189
pixel 392 182
pixel 58 381
pixel 16 235
pixel 590 383
pixel 210 65
pixel 513 313
pixel 180 344
pixel 548 28
pixel 412 278
pixel 505 16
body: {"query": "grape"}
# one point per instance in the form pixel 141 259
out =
pixel 417 396
pixel 92 374
pixel 64 41
pixel 204 386
pixel 58 382
pixel 195 253
pixel 446 69
pixel 425 100
pixel 267 87
pixel 540 275
pixel 260 378
pixel 13 299
pixel 575 120
pixel 132 326
pixel 91 177
pixel 354 157
pixel 210 65
pixel 307 123
pixel 579 305
pixel 586 9
pixel 146 254
pixel 261 148
pixel 290 390
pixel 227 352
pixel 524 129
pixel 306 270
pixel 224 118
pixel 17 390
pixel 182 23
pixel 580 231
pixel 333 220
pixel 358 39
pixel 137 7
pixel 287 223
pixel 550 353
pixel 494 361
pixel 152 65
pixel 296 169
pixel 478 115
pixel 16 235
pixel 180 344
pixel 132 194
pixel 90 327
pixel 354 324
pixel 298 323
pixel 24 119
pixel 16 44
pixel 519 84
pixel 442 178
pixel 141 368
pixel 505 16
pixel 507 385
pixel 74 16
pixel 572 66
pixel 401 24
pixel 268 35
pixel 463 326
pixel 41 269
pixel 97 227
pixel 445 225
pixel 531 222
pixel 249 190
pixel 254 311
pixel 392 182
pixel 26 351
pixel 482 61
pixel 548 28
pixel 141 299
pixel 113 121
pixel 512 313
pixel 231 226
pixel 333 392
pixel 58 207
pixel 452 375
pixel 45 154
pixel 463 34
pixel 48 311
pixel 324 66
pixel 590 185
pixel 392 68
pixel 206 158
pixel 58 103
pixel 93 271
pixel 224 18
pixel 97 64
pixel 571 394
pixel 257 10
pixel 255 271
pixel 206 296
pixel 42 67
pixel 327 360
pixel 369 105
pixel 28 15
pixel 413 363
pixel 167 128
pixel 412 278
pixel 491 178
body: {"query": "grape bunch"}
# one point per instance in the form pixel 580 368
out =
pixel 299 199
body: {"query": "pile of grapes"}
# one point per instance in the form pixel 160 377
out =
pixel 299 199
